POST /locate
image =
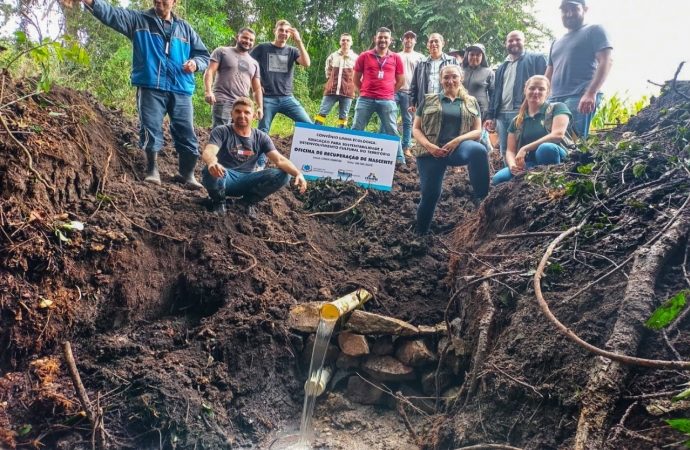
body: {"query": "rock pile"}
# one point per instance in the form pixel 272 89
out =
pixel 373 355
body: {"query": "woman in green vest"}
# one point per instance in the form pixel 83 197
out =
pixel 447 126
pixel 538 135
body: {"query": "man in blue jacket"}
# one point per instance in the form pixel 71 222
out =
pixel 511 76
pixel 167 52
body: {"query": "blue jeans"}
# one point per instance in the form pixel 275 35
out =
pixel 387 111
pixel 253 187
pixel 581 122
pixel 288 106
pixel 502 122
pixel 432 171
pixel 328 101
pixel 153 105
pixel 403 102
pixel 220 113
pixel 546 154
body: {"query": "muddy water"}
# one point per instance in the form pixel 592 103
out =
pixel 312 390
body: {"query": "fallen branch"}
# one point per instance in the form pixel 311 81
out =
pixel 527 235
pixel 172 238
pixel 575 338
pixel 94 417
pixel 271 241
pixel 406 421
pixel 28 156
pixel 335 213
pixel 482 342
pixel 675 80
pixel 246 253
pixel 522 383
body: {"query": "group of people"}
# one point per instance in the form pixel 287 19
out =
pixel 447 101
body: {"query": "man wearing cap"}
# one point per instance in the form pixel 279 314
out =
pixel 426 79
pixel 479 78
pixel 379 73
pixel 579 63
pixel 518 67
pixel 340 87
pixel 410 60
pixel 459 54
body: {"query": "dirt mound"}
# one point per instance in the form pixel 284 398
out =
pixel 177 317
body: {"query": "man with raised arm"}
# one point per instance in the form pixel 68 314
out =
pixel 277 63
pixel 231 156
pixel 579 63
pixel 519 66
pixel 340 87
pixel 379 73
pixel 236 73
pixel 167 52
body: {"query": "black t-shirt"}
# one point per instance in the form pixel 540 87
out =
pixel 237 152
pixel 277 66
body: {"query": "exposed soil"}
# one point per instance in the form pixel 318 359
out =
pixel 177 317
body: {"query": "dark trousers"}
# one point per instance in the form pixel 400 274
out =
pixel 254 186
pixel 432 171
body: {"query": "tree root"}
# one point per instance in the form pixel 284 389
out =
pixel 606 377
pixel 482 341
pixel 335 213
pixel 254 261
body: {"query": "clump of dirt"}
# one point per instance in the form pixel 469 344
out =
pixel 177 317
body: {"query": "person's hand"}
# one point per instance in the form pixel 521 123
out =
pixel 435 150
pixel 301 182
pixel 210 98
pixel 412 109
pixel 515 170
pixel 520 158
pixel 216 170
pixel 587 104
pixel 451 145
pixel 259 113
pixel 490 125
pixel 189 66
pixel 295 34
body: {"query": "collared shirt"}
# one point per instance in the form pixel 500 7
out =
pixel 533 127
pixel 369 64
pixel 434 76
pixel 508 85
pixel 451 118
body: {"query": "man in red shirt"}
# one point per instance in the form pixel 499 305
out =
pixel 379 73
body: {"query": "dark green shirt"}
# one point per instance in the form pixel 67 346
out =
pixel 450 119
pixel 533 127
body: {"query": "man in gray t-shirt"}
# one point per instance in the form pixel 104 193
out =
pixel 579 63
pixel 237 72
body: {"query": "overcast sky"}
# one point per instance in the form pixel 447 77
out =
pixel 650 39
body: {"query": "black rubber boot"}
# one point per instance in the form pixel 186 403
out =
pixel 217 201
pixel 152 175
pixel 187 164
pixel 477 201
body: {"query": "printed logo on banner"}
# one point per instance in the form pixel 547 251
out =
pixel 371 177
pixel 307 168
pixel 346 174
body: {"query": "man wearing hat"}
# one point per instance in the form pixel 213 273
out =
pixel 459 54
pixel 519 66
pixel 579 63
pixel 410 59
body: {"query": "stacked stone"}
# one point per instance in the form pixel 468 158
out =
pixel 376 354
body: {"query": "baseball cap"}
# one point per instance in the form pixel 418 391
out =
pixel 574 2
pixel 407 33
pixel 455 51
pixel 479 47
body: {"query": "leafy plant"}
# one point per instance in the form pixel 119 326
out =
pixel 667 312
pixel 615 110
pixel 682 425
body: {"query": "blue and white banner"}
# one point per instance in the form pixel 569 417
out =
pixel 368 159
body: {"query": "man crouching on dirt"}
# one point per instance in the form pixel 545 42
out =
pixel 231 155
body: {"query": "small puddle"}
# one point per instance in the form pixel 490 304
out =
pixel 318 375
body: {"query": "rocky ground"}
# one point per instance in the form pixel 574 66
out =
pixel 181 322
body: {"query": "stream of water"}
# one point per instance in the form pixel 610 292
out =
pixel 312 389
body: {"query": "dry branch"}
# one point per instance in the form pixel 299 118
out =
pixel 482 341
pixel 528 235
pixel 335 213
pixel 675 80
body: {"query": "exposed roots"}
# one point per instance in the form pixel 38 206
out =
pixel 482 341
